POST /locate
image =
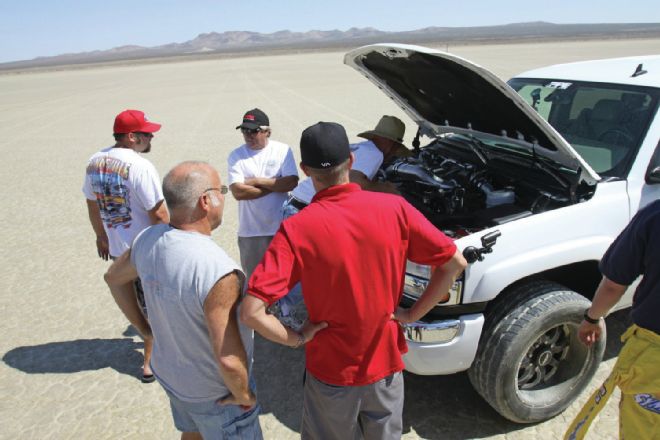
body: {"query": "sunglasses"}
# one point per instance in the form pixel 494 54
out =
pixel 223 189
pixel 251 130
pixel 142 133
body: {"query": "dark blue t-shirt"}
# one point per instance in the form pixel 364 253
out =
pixel 635 252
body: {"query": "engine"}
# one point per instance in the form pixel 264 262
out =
pixel 460 196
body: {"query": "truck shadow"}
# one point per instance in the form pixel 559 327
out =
pixel 444 407
pixel 617 323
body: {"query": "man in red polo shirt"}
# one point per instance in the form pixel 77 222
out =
pixel 348 248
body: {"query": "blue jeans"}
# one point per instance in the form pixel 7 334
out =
pixel 295 296
pixel 288 209
pixel 214 421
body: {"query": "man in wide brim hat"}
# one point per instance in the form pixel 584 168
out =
pixel 388 137
pixel 384 143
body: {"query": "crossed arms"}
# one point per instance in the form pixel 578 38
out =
pixel 256 187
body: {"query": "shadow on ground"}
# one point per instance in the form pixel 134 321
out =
pixel 444 407
pixel 121 354
pixel 435 406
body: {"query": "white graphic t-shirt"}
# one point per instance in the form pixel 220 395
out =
pixel 368 158
pixel 261 217
pixel 125 186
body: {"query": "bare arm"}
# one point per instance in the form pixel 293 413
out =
pixel 220 310
pixel 607 295
pixel 159 213
pixel 369 185
pixel 102 246
pixel 279 184
pixel 253 314
pixel 243 191
pixel 120 277
pixel 436 291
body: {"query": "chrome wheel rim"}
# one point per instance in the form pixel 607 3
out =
pixel 544 358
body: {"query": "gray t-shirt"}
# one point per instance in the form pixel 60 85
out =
pixel 178 269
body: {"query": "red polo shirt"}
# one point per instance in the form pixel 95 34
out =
pixel 348 248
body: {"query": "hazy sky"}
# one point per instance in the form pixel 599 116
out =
pixel 32 28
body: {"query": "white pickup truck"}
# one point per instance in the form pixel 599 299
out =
pixel 533 179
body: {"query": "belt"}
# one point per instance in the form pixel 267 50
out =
pixel 298 204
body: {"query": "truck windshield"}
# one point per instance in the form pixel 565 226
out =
pixel 605 123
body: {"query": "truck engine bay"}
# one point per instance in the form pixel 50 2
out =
pixel 462 186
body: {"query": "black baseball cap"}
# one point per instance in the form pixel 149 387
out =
pixel 324 145
pixel 253 119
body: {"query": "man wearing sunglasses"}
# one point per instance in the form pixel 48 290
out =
pixel 124 195
pixel 261 173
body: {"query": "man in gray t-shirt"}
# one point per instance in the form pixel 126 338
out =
pixel 202 353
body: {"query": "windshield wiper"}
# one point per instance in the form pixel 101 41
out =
pixel 476 145
pixel 540 162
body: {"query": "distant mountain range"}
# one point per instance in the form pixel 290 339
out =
pixel 240 42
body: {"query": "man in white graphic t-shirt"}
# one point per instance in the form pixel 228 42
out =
pixel 261 173
pixel 124 195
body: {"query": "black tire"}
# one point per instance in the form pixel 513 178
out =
pixel 530 364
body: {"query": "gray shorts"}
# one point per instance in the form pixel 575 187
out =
pixel 214 421
pixel 252 251
pixel 371 411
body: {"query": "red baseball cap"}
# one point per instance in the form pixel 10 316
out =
pixel 130 121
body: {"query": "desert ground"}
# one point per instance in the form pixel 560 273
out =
pixel 69 360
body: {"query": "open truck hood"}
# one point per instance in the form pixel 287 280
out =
pixel 444 93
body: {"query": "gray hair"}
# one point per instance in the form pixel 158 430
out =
pixel 182 190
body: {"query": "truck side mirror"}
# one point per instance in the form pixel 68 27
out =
pixel 653 176
pixel 473 254
pixel 653 170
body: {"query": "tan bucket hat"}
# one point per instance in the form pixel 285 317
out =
pixel 389 127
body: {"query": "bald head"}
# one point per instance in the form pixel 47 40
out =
pixel 183 187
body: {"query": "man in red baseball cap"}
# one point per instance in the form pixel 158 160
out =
pixel 124 196
pixel 135 123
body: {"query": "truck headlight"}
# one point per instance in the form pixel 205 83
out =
pixel 417 278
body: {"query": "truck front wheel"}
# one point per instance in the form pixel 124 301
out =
pixel 530 364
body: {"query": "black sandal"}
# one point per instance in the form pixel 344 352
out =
pixel 148 378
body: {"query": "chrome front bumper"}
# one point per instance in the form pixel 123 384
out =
pixel 442 347
pixel 432 332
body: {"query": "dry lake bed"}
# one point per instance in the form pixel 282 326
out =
pixel 69 359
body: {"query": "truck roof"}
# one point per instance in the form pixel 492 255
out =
pixel 612 70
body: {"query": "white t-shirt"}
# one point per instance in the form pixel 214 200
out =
pixel 125 186
pixel 261 217
pixel 368 158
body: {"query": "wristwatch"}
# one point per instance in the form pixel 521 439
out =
pixel 589 319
